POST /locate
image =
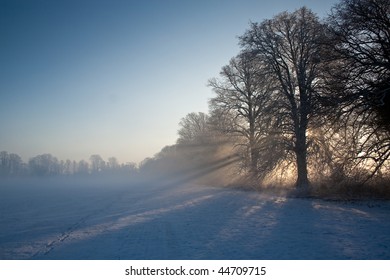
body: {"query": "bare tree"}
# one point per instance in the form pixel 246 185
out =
pixel 360 39
pixel 245 94
pixel 10 164
pixel 97 163
pixel 82 167
pixel 193 128
pixel 4 163
pixel 44 165
pixel 68 167
pixel 361 31
pixel 113 164
pixel 289 45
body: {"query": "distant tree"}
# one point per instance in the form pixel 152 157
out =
pixel 129 168
pixel 16 164
pixel 97 164
pixel 113 164
pixel 290 47
pixel 10 164
pixel 74 167
pixel 68 168
pixel 4 163
pixel 82 167
pixel 193 128
pixel 61 167
pixel 44 165
pixel 147 165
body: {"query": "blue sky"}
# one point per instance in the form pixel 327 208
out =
pixel 114 77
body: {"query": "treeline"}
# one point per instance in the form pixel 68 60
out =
pixel 12 165
pixel 306 102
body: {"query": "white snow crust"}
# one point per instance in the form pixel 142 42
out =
pixel 81 219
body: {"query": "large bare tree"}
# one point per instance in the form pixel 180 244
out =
pixel 360 31
pixel 361 39
pixel 244 92
pixel 289 45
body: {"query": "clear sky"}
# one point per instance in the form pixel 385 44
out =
pixel 114 77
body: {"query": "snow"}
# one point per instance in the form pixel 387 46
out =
pixel 81 219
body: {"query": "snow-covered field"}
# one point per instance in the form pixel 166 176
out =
pixel 46 219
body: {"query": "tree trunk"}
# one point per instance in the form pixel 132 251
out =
pixel 252 141
pixel 302 182
pixel 253 159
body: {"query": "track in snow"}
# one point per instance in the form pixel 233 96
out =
pixel 137 221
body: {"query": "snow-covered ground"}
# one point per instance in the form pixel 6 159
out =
pixel 45 219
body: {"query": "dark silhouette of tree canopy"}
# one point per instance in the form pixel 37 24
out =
pixel 360 42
